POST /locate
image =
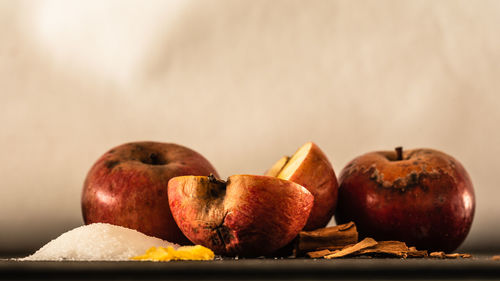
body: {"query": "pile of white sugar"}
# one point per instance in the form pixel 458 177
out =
pixel 97 242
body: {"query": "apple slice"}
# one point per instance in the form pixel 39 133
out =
pixel 246 216
pixel 277 167
pixel 310 168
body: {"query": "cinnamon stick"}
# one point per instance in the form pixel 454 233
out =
pixel 331 238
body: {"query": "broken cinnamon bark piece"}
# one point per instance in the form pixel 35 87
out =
pixel 439 255
pixel 372 248
pixel 331 238
pixel 320 254
pixel 457 255
pixel 452 256
pixel 365 243
pixel 416 253
pixel 442 255
pixel 386 248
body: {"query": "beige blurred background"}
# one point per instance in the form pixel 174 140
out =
pixel 243 83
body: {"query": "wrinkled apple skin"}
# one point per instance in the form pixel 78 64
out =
pixel 127 186
pixel 247 216
pixel 426 200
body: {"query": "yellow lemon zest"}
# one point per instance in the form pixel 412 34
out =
pixel 196 252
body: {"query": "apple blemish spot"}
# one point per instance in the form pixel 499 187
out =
pixel 98 242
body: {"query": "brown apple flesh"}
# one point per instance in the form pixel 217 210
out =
pixel 127 186
pixel 310 168
pixel 245 216
pixel 422 197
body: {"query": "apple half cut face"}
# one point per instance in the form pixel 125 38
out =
pixel 247 215
pixel 310 168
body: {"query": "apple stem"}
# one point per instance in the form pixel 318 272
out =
pixel 399 153
pixel 214 179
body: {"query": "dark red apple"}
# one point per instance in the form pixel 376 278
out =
pixel 423 197
pixel 127 186
pixel 245 216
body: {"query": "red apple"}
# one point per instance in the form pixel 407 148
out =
pixel 127 186
pixel 422 197
pixel 310 168
pixel 246 216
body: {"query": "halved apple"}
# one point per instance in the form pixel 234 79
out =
pixel 246 215
pixel 310 168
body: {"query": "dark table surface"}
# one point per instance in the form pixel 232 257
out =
pixel 479 267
